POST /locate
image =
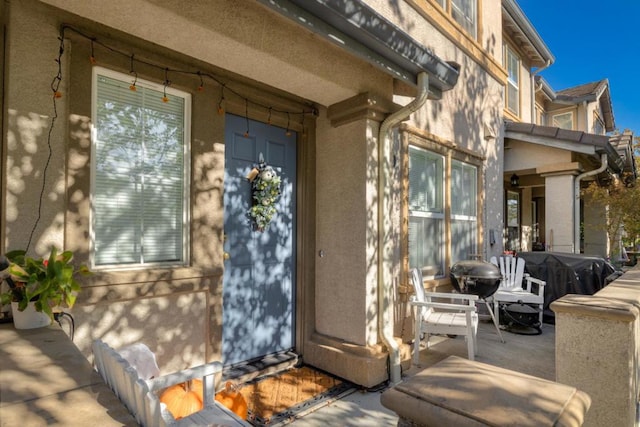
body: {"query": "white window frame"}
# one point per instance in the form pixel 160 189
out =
pixel 171 93
pixel 555 120
pixel 512 60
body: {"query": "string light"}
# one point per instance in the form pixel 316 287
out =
pixel 135 79
pixel 92 58
pixel 220 107
pixel 201 87
pixel 166 83
pixel 246 115
pixel 288 132
pixel 55 88
pixel 201 75
pixel 55 85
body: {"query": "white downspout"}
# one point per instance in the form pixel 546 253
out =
pixel 533 91
pixel 576 200
pixel 385 245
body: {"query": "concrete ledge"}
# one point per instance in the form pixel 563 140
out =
pixel 461 392
pixel 596 306
pixel 45 380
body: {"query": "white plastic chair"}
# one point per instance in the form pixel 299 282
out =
pixel 443 318
pixel 511 290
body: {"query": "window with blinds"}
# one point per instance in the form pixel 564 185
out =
pixel 464 12
pixel 139 186
pixel 512 64
pixel 464 181
pixel 426 211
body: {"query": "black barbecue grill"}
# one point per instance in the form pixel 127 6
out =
pixel 477 278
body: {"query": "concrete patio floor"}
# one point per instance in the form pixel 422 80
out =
pixel 529 354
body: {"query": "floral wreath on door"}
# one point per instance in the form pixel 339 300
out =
pixel 265 191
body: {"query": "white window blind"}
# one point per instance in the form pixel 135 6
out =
pixel 140 172
pixel 464 12
pixel 563 121
pixel 426 211
pixel 464 193
pixel 513 81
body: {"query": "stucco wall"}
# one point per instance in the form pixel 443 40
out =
pixel 346 217
pixel 32 45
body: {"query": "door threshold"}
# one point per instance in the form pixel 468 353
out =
pixel 270 364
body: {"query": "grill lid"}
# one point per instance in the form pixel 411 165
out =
pixel 475 269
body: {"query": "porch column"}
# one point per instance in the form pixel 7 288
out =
pixel 344 340
pixel 558 183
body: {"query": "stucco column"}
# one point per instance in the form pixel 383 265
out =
pixel 345 337
pixel 559 210
pixel 598 348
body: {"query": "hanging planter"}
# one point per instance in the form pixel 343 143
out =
pixel 265 191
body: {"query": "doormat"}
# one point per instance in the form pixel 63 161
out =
pixel 282 398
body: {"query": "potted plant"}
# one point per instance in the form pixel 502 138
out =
pixel 40 284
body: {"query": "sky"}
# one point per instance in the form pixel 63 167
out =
pixel 593 40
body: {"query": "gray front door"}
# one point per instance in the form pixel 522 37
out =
pixel 259 273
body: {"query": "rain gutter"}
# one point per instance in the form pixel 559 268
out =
pixel 357 28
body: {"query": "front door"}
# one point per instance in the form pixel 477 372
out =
pixel 259 273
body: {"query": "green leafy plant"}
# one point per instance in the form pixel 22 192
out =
pixel 266 190
pixel 47 282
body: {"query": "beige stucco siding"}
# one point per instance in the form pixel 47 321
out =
pixel 32 46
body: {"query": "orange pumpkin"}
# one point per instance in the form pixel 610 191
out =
pixel 183 399
pixel 233 399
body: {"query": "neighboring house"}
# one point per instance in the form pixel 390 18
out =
pixel 384 121
pixel 551 160
pixel 555 143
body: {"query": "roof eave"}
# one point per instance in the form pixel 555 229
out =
pixel 356 27
pixel 511 10
pixel 572 140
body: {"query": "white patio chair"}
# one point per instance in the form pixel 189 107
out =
pixel 444 318
pixel 511 288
